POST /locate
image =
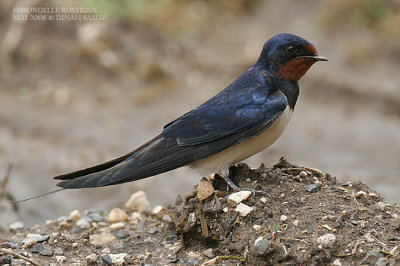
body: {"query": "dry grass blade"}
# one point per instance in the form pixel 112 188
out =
pixel 4 188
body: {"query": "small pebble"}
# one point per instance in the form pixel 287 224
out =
pixel 372 195
pixel 312 188
pixel 337 262
pixel 135 217
pixel 257 227
pixel 282 195
pixel 371 257
pixel 138 202
pixel 105 251
pixel 167 218
pixel 225 209
pixel 369 238
pixel 102 240
pixel 193 261
pixel 75 215
pixel 148 240
pixel 74 245
pixel 296 222
pixel 263 200
pixel 361 193
pixel 16 226
pixel 118 259
pixel 205 189
pixel 284 218
pixel 58 251
pixel 382 262
pixel 157 210
pixel 83 224
pixel 117 226
pixel 238 197
pixel 117 215
pixel 32 239
pixel 243 209
pixel 107 259
pixel 46 250
pixel 91 258
pixel 327 240
pixel 97 217
pixel 117 246
pixel 61 259
pixel 303 174
pixel 209 253
pixel 153 230
pixel 261 245
pixel 380 206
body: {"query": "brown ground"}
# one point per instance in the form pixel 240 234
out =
pixel 291 221
pixel 73 94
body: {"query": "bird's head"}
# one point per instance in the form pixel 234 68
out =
pixel 288 56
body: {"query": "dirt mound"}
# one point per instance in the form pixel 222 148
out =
pixel 307 218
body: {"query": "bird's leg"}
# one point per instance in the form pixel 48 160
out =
pixel 225 175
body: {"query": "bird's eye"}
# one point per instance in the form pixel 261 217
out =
pixel 291 49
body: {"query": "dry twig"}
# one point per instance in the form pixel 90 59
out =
pixel 19 256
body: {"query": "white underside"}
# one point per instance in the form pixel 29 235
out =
pixel 220 162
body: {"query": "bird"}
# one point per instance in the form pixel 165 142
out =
pixel 243 119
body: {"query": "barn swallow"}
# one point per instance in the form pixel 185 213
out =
pixel 243 119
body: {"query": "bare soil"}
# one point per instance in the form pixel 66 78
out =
pixel 303 205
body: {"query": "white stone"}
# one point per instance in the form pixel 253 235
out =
pixel 284 218
pixel 135 217
pixel 167 218
pixel 225 209
pixel 29 242
pixel 209 253
pixel 138 202
pixel 61 259
pixel 369 238
pixel 105 250
pixel 361 193
pixel 117 215
pixel 117 226
pixel 75 215
pixel 91 258
pixel 337 262
pixel 83 224
pixel 238 197
pixel 327 241
pixel 296 222
pixel 157 210
pixel 118 259
pixel 31 239
pixel 263 200
pixel 16 226
pixel 243 209
pixel 303 174
pixel 102 240
pixel 380 206
pixel 257 227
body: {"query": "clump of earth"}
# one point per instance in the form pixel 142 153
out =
pixel 303 217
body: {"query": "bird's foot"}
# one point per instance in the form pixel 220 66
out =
pixel 237 188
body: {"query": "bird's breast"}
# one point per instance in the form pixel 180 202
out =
pixel 224 159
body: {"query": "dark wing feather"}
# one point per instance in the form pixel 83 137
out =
pixel 225 115
pixel 203 132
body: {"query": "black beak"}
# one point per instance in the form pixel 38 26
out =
pixel 314 57
pixel 319 58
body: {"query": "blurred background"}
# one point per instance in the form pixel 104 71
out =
pixel 74 93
